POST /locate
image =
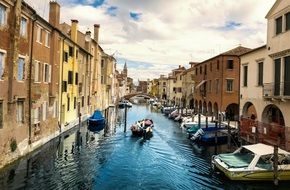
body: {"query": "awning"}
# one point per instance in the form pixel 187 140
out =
pixel 201 83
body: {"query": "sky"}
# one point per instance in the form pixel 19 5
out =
pixel 156 36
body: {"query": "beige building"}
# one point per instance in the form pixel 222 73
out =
pixel 265 80
pixel 162 88
pixel 188 87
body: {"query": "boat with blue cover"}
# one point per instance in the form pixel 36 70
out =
pixel 97 121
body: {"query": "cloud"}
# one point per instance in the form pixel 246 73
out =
pixel 165 33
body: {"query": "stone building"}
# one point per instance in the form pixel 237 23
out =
pixel 265 81
pixel 217 84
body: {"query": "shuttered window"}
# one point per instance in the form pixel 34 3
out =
pixel 245 81
pixel 2 15
pixel 279 25
pixel 287 16
pixel 1 114
pixel 260 73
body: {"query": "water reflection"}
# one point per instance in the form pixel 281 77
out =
pixel 112 159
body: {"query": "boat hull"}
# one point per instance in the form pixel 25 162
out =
pixel 262 175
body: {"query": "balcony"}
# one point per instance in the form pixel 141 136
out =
pixel 277 90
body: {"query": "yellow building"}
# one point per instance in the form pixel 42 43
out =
pixel 69 77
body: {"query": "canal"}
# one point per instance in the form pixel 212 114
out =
pixel 112 159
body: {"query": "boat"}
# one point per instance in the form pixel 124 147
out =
pixel 96 122
pixel 210 135
pixel 142 128
pixel 253 163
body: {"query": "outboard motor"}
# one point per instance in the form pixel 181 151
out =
pixel 199 133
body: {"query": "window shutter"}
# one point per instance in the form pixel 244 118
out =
pixel 43 73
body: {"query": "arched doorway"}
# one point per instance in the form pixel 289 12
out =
pixel 191 103
pixel 248 110
pixel 204 108
pixel 232 112
pixel 215 110
pixel 272 114
pixel 209 108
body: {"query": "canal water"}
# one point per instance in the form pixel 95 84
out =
pixel 113 160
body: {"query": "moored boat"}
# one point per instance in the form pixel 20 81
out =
pixel 253 162
pixel 96 122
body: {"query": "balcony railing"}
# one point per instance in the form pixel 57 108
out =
pixel 275 90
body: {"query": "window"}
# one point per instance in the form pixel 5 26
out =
pixel 287 17
pixel 279 25
pixel 23 27
pixel 180 78
pixel 200 70
pixel 217 85
pixel 205 69
pixel 1 114
pixel 230 83
pixel 68 103
pixel 37 69
pixel 20 75
pixel 65 56
pixel 47 39
pixel 20 111
pixel 88 100
pixel 44 110
pixel 39 34
pixel 75 102
pixel 230 64
pixel 102 79
pixel 77 79
pixel 2 64
pixel 102 63
pixel 71 52
pixel 218 65
pixel 83 101
pixel 64 86
pixel 164 83
pixel 210 66
pixel 2 15
pixel 245 81
pixel 36 115
pixel 47 73
pixel 260 73
pixel 70 77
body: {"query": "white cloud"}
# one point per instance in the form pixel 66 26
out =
pixel 171 32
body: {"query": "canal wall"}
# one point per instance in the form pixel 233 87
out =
pixel 24 148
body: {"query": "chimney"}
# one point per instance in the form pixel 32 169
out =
pixel 54 13
pixel 74 30
pixel 96 32
pixel 179 66
pixel 87 40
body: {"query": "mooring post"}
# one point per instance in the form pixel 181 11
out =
pixel 125 124
pixel 229 135
pixel 215 133
pixel 199 119
pixel 206 120
pixel 276 180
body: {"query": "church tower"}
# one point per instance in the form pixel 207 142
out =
pixel 125 70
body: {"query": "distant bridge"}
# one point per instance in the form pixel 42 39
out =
pixel 139 94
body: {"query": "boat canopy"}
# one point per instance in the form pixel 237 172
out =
pixel 97 115
pixel 237 160
pixel 263 149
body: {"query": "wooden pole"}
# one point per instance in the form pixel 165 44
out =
pixel 276 180
pixel 229 135
pixel 199 120
pixel 125 123
pixel 206 120
pixel 215 133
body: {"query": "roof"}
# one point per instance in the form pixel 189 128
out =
pixel 253 50
pixel 273 8
pixel 263 149
pixel 233 52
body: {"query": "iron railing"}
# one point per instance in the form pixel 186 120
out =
pixel 281 89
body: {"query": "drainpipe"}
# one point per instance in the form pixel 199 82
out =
pixel 61 116
pixel 34 16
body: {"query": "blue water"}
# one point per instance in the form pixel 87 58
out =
pixel 113 160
